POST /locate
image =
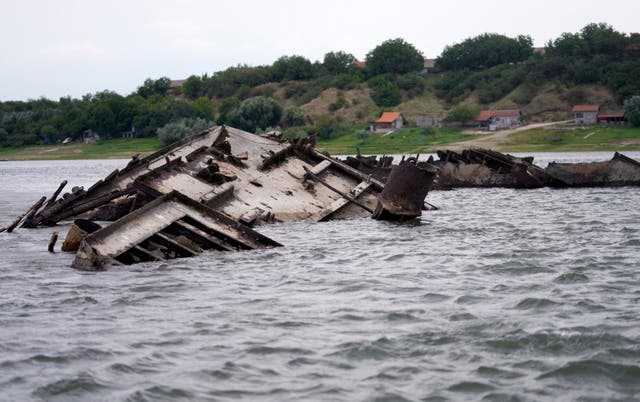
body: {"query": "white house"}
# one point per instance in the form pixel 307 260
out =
pixel 497 119
pixel 585 114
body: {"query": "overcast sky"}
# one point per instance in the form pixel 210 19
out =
pixel 68 47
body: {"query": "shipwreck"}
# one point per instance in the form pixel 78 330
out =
pixel 209 191
pixel 484 168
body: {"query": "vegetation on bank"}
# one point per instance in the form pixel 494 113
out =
pixel 409 140
pixel 109 149
pixel 348 139
pixel 595 65
pixel 587 138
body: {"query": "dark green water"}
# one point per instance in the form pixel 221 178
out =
pixel 500 295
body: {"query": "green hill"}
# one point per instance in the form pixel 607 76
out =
pixel 341 96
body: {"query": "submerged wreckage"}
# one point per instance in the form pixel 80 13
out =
pixel 208 190
pixel 479 167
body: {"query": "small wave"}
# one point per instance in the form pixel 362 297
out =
pixel 80 300
pixel 471 299
pixel 83 384
pixel 161 392
pixel 492 372
pixel 533 303
pixel 268 350
pixel 377 350
pixel 546 342
pixel 591 370
pixel 395 316
pixel 571 277
pixel 301 361
pixel 462 317
pixel 435 297
pixel 352 317
pixel 291 324
pixel 471 387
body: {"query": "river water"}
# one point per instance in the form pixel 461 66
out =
pixel 500 295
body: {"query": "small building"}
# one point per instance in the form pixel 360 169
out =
pixel 173 84
pixel 540 51
pixel 428 64
pixel 389 121
pixel 429 121
pixel 585 114
pixel 611 117
pixel 360 64
pixel 498 119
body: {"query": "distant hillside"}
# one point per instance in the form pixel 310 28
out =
pixel 597 65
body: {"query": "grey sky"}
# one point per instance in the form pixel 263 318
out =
pixel 68 47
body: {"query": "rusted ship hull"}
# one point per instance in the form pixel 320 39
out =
pixel 619 171
pixel 171 203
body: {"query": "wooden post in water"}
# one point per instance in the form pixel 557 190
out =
pixel 52 241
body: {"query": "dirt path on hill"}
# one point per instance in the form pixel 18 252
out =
pixel 497 139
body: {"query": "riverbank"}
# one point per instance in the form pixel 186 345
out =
pixel 410 140
pixel 119 148
pixel 563 138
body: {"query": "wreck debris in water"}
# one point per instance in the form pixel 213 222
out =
pixel 171 226
pixel 205 191
pixel 619 171
pixel 477 167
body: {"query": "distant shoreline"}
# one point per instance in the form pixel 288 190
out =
pixel 409 141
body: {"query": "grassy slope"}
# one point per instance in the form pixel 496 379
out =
pixel 590 138
pixel 411 140
pixel 109 149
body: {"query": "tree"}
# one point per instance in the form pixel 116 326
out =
pixel 462 114
pixel 102 119
pixel 288 68
pixel 385 92
pixel 227 109
pixel 152 87
pixel 593 39
pixel 338 62
pixel 293 116
pixel 203 108
pixel 257 112
pixel 484 51
pixel 394 56
pixel 326 126
pixel 632 110
pixel 193 87
pixel 176 130
pixel 3 136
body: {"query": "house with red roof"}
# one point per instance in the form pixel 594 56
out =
pixel 611 117
pixel 585 114
pixel 497 119
pixel 389 121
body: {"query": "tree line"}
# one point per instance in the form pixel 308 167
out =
pixel 490 65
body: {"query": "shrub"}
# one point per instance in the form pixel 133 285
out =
pixel 326 126
pixel 258 112
pixel 293 116
pixel 386 94
pixel 462 114
pixel 179 129
pixel 632 110
pixel 362 134
pixel 339 103
pixel 411 83
pixel 429 130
